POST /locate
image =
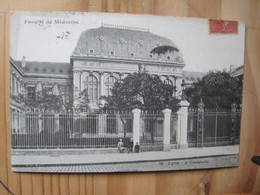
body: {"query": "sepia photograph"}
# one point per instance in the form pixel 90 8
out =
pixel 97 92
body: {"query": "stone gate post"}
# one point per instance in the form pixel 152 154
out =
pixel 136 125
pixel 166 129
pixel 181 134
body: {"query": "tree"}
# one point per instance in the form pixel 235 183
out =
pixel 144 91
pixel 216 89
pixel 82 102
pixel 42 100
pixel 141 90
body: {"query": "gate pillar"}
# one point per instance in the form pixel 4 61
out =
pixel 166 129
pixel 136 126
pixel 181 134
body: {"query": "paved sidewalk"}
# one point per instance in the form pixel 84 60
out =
pixel 80 156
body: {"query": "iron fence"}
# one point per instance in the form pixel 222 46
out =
pixel 69 130
pixel 213 127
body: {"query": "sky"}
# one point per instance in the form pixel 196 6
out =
pixel 40 37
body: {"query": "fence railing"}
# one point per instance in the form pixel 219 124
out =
pixel 151 127
pixel 152 130
pixel 66 130
pixel 213 128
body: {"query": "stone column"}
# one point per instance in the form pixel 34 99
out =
pixel 101 84
pixel 166 129
pixel 101 103
pixel 136 126
pixel 181 134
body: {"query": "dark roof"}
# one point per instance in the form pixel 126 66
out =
pixel 57 68
pixel 189 76
pixel 120 42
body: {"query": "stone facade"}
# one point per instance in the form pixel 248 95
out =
pixel 101 57
pixel 109 53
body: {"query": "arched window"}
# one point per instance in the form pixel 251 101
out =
pixel 168 82
pixel 91 84
pixel 109 83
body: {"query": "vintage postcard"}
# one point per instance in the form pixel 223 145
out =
pixel 97 92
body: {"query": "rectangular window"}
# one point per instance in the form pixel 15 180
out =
pixel 31 92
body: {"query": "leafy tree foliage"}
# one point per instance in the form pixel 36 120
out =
pixel 216 89
pixel 43 101
pixel 144 91
pixel 141 90
pixel 46 101
pixel 82 102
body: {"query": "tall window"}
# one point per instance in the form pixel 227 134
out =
pixel 168 82
pixel 109 83
pixel 31 92
pixel 91 84
pixel 48 90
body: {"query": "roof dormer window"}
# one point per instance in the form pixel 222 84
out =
pixel 112 53
pixel 132 54
pixel 168 57
pixel 91 51
pixel 121 40
pixel 150 56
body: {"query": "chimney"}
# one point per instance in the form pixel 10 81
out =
pixel 23 62
pixel 232 68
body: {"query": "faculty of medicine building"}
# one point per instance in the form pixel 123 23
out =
pixel 101 57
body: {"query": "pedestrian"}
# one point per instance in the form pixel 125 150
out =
pixel 120 146
pixel 137 148
pixel 130 145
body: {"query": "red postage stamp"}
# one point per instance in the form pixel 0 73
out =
pixel 223 27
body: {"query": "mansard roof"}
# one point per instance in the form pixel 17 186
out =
pixel 55 68
pixel 126 42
